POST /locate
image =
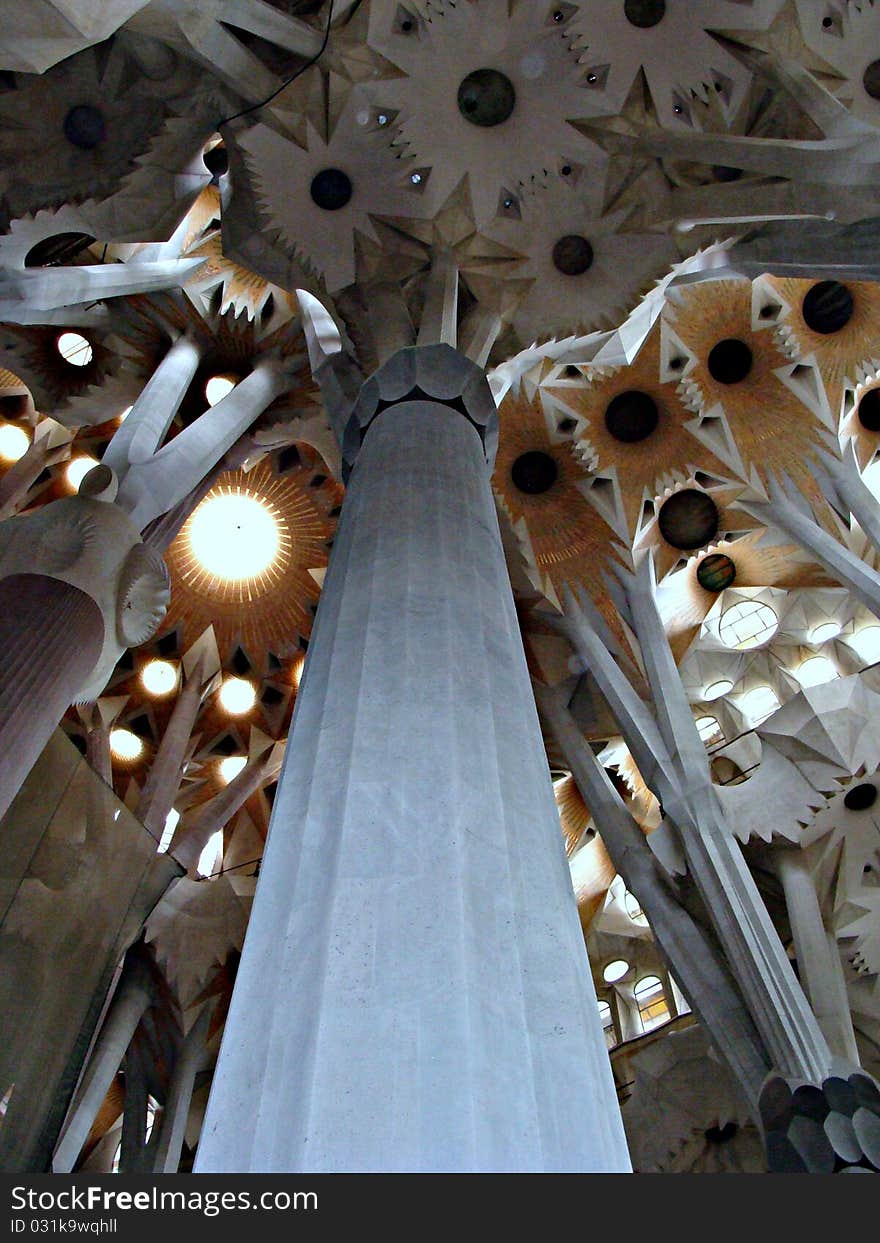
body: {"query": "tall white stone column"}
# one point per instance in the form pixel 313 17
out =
pixel 414 993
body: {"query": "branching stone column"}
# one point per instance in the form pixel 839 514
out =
pixel 166 1157
pixel 193 836
pixel 202 668
pixel 414 993
pixel 710 987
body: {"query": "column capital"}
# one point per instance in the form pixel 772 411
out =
pixel 436 373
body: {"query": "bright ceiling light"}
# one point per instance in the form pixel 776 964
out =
pixel 825 632
pixel 231 767
pixel 234 536
pixel 716 689
pixel 615 971
pixel 171 822
pixel 75 349
pixel 14 442
pixel 125 745
pixel 159 677
pixel 77 469
pixel 212 856
pixel 237 696
pixel 218 387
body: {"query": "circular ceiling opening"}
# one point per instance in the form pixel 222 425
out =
pixel 747 624
pixel 486 97
pixel 631 416
pixel 615 970
pixel 234 536
pixel 331 189
pixel 869 410
pixel 860 797
pixel 730 361
pixel 74 349
pixel 534 472
pixel 572 255
pixel 644 13
pixel 871 79
pixel 689 519
pixel 827 307
pixel 218 387
pixel 716 572
pixel 84 127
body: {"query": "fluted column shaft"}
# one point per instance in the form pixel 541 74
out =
pixel 414 993
pixel 818 965
pixel 51 635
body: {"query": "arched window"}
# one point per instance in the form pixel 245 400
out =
pixel 709 730
pixel 606 1017
pixel 634 909
pixel 758 704
pixel 816 670
pixel 651 1000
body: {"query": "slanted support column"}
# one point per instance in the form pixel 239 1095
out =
pixel 51 444
pixel 193 836
pixel 818 965
pixel 414 993
pixel 785 511
pixel 202 668
pixel 672 760
pixel 684 944
pixel 133 996
pixel 134 1113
